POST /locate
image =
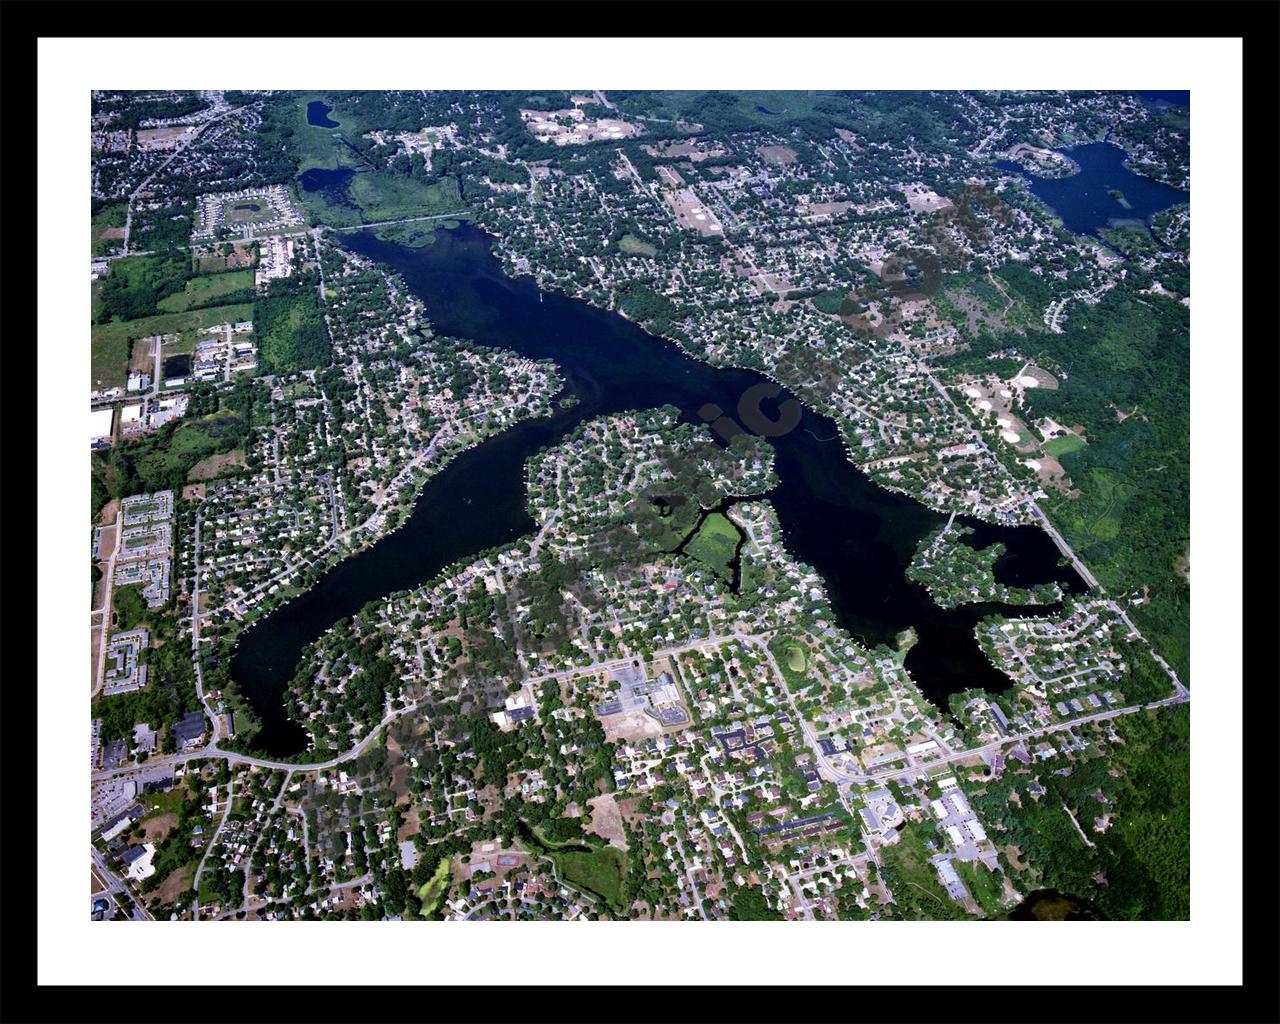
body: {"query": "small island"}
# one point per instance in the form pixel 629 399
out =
pixel 1118 196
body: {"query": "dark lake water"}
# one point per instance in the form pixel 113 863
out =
pixel 333 184
pixel 1052 905
pixel 1084 201
pixel 859 536
pixel 318 115
pixel 1166 97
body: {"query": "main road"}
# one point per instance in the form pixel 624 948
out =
pixel 211 750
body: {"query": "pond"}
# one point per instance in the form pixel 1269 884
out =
pixel 1087 201
pixel 1051 905
pixel 318 115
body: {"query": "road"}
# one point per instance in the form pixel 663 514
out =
pixel 215 719
pixel 1065 548
pixel 263 904
pixel 213 841
pixel 117 888
pixel 211 750
pixel 403 220
pixel 104 610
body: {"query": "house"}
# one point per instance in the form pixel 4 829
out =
pixel 188 731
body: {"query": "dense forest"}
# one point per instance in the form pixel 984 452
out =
pixel 292 335
pixel 1123 367
pixel 1138 867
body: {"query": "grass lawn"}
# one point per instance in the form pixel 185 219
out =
pixel 183 344
pixel 986 886
pixel 715 544
pixel 163 803
pixel 1062 445
pixel 109 361
pixel 796 661
pixel 433 890
pixel 782 648
pixel 204 289
pixel 247 211
pixel 600 871
pixel 629 243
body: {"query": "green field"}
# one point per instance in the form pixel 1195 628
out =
pixel 796 660
pixel 1062 445
pixel 247 211
pixel 384 196
pixel 109 344
pixel 200 290
pixel 112 216
pixel 715 544
pixel 600 871
pixel 916 890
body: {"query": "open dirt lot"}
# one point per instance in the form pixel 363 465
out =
pixel 817 211
pixel 924 200
pixel 106 544
pixel 629 725
pixel 606 820
pixel 142 358
pixel 669 173
pixel 161 138
pixel 160 826
pixel 95 647
pixel 177 883
pixel 777 156
pixel 210 467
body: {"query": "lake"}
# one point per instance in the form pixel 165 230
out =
pixel 318 115
pixel 857 535
pixel 1084 202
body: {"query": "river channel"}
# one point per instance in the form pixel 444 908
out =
pixel 858 536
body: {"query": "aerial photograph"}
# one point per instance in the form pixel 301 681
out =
pixel 620 505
